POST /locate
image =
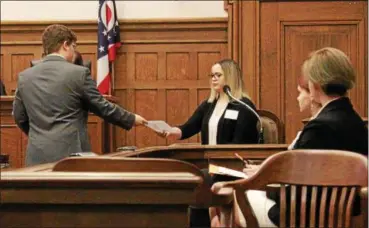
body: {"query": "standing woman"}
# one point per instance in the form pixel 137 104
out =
pixel 220 120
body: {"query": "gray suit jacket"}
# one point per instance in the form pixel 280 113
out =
pixel 51 106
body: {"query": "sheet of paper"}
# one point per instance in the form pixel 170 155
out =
pixel 226 171
pixel 159 126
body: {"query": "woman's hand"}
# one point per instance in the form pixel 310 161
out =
pixel 175 132
pixel 251 169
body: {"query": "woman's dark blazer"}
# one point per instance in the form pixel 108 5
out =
pixel 337 127
pixel 230 131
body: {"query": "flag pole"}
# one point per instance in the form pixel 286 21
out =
pixel 112 84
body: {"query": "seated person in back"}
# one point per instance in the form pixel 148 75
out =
pixel 336 125
pixel 77 59
pixel 305 103
pixel 2 88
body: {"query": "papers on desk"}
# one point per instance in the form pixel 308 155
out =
pixel 225 171
pixel 158 126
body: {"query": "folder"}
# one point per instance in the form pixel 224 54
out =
pixel 214 169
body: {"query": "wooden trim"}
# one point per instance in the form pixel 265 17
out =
pixel 148 24
pixel 94 42
pixel 121 21
pixel 244 42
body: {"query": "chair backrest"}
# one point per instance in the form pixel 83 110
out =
pixel 317 187
pixel 273 127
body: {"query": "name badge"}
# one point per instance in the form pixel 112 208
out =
pixel 231 114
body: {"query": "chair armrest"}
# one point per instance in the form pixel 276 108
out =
pixel 364 205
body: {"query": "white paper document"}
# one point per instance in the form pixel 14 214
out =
pixel 225 171
pixel 159 126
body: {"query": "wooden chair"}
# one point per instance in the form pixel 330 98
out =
pixel 338 175
pixel 273 127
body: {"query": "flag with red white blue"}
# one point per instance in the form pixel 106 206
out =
pixel 108 41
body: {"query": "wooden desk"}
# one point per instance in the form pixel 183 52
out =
pixel 198 155
pixel 98 192
pixel 14 141
pixel 59 199
pixel 202 155
pixel 104 192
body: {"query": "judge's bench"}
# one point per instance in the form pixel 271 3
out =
pixel 148 187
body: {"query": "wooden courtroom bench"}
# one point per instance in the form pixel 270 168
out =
pixel 203 155
pixel 54 188
pixel 104 192
pixel 197 154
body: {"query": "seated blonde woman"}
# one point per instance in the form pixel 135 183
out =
pixel 336 125
pixel 222 218
pixel 305 103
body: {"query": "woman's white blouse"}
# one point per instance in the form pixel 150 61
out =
pixel 219 109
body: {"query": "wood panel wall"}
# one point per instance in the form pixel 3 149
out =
pixel 272 39
pixel 162 66
pixel 161 71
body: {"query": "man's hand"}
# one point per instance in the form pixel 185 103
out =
pixel 139 120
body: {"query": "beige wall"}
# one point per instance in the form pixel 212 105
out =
pixel 87 10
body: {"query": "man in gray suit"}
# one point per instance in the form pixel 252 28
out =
pixel 52 98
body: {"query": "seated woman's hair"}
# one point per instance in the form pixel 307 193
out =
pixel 331 69
pixel 78 60
pixel 233 78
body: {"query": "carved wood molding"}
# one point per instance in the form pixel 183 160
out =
pixel 144 24
pixel 244 42
pixel 156 31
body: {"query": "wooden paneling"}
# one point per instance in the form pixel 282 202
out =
pixel 146 66
pixel 170 59
pixel 11 144
pixel 178 112
pixel 95 133
pixel 286 44
pixel 20 62
pixel 299 41
pixel 1 66
pixel 272 39
pixel 159 71
pixel 171 74
pixel 146 102
pixel 205 62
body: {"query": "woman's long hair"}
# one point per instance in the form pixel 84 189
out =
pixel 232 78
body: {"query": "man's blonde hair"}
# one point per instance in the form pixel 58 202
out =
pixel 232 78
pixel 331 69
